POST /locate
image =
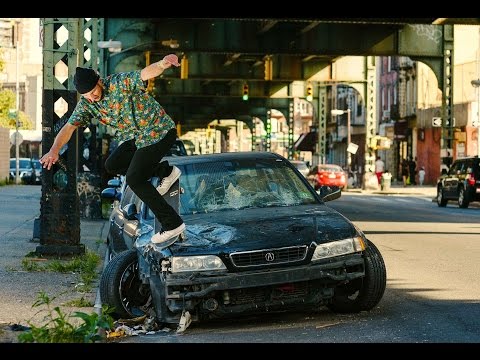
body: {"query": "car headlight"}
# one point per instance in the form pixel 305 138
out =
pixel 197 263
pixel 337 248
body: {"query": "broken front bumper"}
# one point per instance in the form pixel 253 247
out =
pixel 216 294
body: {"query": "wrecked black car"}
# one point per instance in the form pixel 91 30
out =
pixel 258 238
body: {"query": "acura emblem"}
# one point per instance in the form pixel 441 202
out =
pixel 269 256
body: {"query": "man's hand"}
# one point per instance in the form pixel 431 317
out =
pixel 49 159
pixel 156 68
pixel 171 59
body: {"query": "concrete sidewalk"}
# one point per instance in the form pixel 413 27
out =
pixel 19 206
pixel 414 190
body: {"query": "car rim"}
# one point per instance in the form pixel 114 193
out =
pixel 135 299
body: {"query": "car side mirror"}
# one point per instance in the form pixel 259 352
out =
pixel 329 193
pixel 111 194
pixel 114 183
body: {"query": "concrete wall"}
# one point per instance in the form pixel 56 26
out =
pixel 4 153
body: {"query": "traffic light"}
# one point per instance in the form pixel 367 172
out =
pixel 245 92
pixel 309 92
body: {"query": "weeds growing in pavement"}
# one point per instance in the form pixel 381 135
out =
pixel 60 327
pixel 85 265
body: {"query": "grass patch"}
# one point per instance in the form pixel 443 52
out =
pixel 85 265
pixel 60 327
pixel 79 303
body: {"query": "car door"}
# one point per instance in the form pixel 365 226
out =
pixel 130 226
pixel 118 221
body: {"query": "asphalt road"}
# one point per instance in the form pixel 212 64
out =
pixel 432 294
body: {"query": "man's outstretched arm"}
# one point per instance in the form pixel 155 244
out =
pixel 155 69
pixel 61 139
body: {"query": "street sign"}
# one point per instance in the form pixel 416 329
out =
pixel 437 121
pixel 352 148
pixel 18 137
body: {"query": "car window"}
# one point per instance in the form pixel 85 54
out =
pixel 127 197
pixel 333 168
pixel 455 169
pixel 476 168
pixel 177 149
pixel 23 164
pixel 229 185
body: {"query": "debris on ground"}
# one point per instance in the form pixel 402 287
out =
pixel 185 321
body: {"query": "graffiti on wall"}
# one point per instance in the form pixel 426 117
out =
pixel 88 189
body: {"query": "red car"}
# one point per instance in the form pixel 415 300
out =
pixel 328 174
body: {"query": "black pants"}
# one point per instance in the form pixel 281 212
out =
pixel 139 165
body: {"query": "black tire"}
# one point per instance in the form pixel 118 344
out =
pixel 462 198
pixel 121 287
pixel 441 201
pixel 365 293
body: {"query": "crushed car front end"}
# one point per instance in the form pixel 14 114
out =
pixel 246 281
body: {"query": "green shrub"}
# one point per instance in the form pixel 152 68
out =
pixel 60 327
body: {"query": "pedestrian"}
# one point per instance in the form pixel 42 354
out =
pixel 404 170
pixel 379 169
pixel 144 130
pixel 421 175
pixel 412 170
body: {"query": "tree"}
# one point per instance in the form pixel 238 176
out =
pixel 7 102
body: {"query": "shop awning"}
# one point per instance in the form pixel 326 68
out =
pixel 306 142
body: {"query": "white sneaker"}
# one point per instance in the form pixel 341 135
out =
pixel 164 237
pixel 169 180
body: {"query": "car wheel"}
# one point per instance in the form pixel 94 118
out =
pixel 462 198
pixel 365 293
pixel 121 287
pixel 441 201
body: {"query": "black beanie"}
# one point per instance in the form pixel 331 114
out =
pixel 85 80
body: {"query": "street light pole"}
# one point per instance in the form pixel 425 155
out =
pixel 17 107
pixel 349 140
pixel 476 85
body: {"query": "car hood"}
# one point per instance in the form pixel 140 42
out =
pixel 252 229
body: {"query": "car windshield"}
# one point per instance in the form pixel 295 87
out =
pixel 37 165
pixel 22 164
pixel 239 184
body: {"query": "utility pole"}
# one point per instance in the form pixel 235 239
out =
pixel 476 85
pixel 15 44
pixel 349 137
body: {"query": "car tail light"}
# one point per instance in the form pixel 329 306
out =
pixel 470 179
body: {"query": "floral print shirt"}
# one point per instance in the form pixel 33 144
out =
pixel 127 107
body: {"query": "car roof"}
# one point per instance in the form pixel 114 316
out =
pixel 192 159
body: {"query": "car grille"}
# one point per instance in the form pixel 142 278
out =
pixel 269 256
pixel 273 293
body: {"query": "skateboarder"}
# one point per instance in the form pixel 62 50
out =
pixel 146 131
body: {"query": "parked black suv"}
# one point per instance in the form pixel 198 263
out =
pixel 461 183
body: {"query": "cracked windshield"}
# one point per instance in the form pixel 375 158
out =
pixel 218 186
